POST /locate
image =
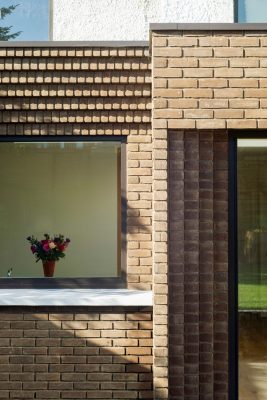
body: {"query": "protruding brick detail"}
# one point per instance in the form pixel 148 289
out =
pixel 88 354
pixel 198 241
pixel 89 92
pixel 75 91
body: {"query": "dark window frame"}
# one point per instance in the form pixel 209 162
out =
pixel 84 282
pixel 235 10
pixel 233 328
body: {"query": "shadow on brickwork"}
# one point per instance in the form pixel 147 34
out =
pixel 76 353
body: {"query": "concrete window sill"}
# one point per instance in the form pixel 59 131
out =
pixel 75 297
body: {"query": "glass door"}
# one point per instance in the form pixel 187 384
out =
pixel 252 268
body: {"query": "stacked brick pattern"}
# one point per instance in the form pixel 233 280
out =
pixel 89 91
pixel 94 91
pixel 198 262
pixel 160 265
pixel 95 354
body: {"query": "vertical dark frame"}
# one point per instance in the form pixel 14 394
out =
pixel 235 10
pixel 233 270
pixel 233 323
pixel 84 282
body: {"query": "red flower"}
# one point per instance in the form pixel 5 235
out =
pixel 46 247
pixel 33 249
pixel 61 247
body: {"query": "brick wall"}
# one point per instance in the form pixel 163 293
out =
pixel 210 79
pixel 198 261
pixel 93 353
pixel 204 83
pixel 89 91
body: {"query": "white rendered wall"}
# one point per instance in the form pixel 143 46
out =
pixel 129 19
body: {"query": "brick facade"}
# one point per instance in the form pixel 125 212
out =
pixel 96 353
pixel 198 242
pixel 88 353
pixel 204 84
pixel 209 80
pixel 89 92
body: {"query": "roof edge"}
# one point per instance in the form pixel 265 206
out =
pixel 75 44
pixel 208 27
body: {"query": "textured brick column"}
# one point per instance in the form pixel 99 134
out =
pixel 191 266
pixel 160 283
pixel 176 271
pixel 206 263
pixel 160 257
pixel 198 229
pixel 220 305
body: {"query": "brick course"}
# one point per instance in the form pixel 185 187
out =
pixel 93 353
pixel 216 69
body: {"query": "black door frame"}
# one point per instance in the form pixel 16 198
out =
pixel 232 269
pixel 233 255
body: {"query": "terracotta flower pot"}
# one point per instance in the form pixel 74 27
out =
pixel 49 268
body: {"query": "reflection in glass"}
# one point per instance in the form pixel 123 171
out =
pixel 252 268
pixel 68 188
pixel 252 11
pixel 27 20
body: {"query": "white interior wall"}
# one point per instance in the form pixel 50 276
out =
pixel 129 19
pixel 69 189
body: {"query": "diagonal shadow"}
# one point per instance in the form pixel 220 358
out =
pixel 76 353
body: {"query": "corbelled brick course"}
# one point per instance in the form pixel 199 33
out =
pixel 93 353
pixel 93 91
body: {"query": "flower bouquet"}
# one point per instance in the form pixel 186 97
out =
pixel 49 250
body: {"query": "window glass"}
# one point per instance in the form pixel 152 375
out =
pixel 252 267
pixel 252 10
pixel 69 188
pixel 24 20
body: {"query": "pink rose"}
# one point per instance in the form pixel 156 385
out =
pixel 46 247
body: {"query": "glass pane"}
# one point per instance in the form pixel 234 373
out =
pixel 67 188
pixel 252 11
pixel 24 20
pixel 252 268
